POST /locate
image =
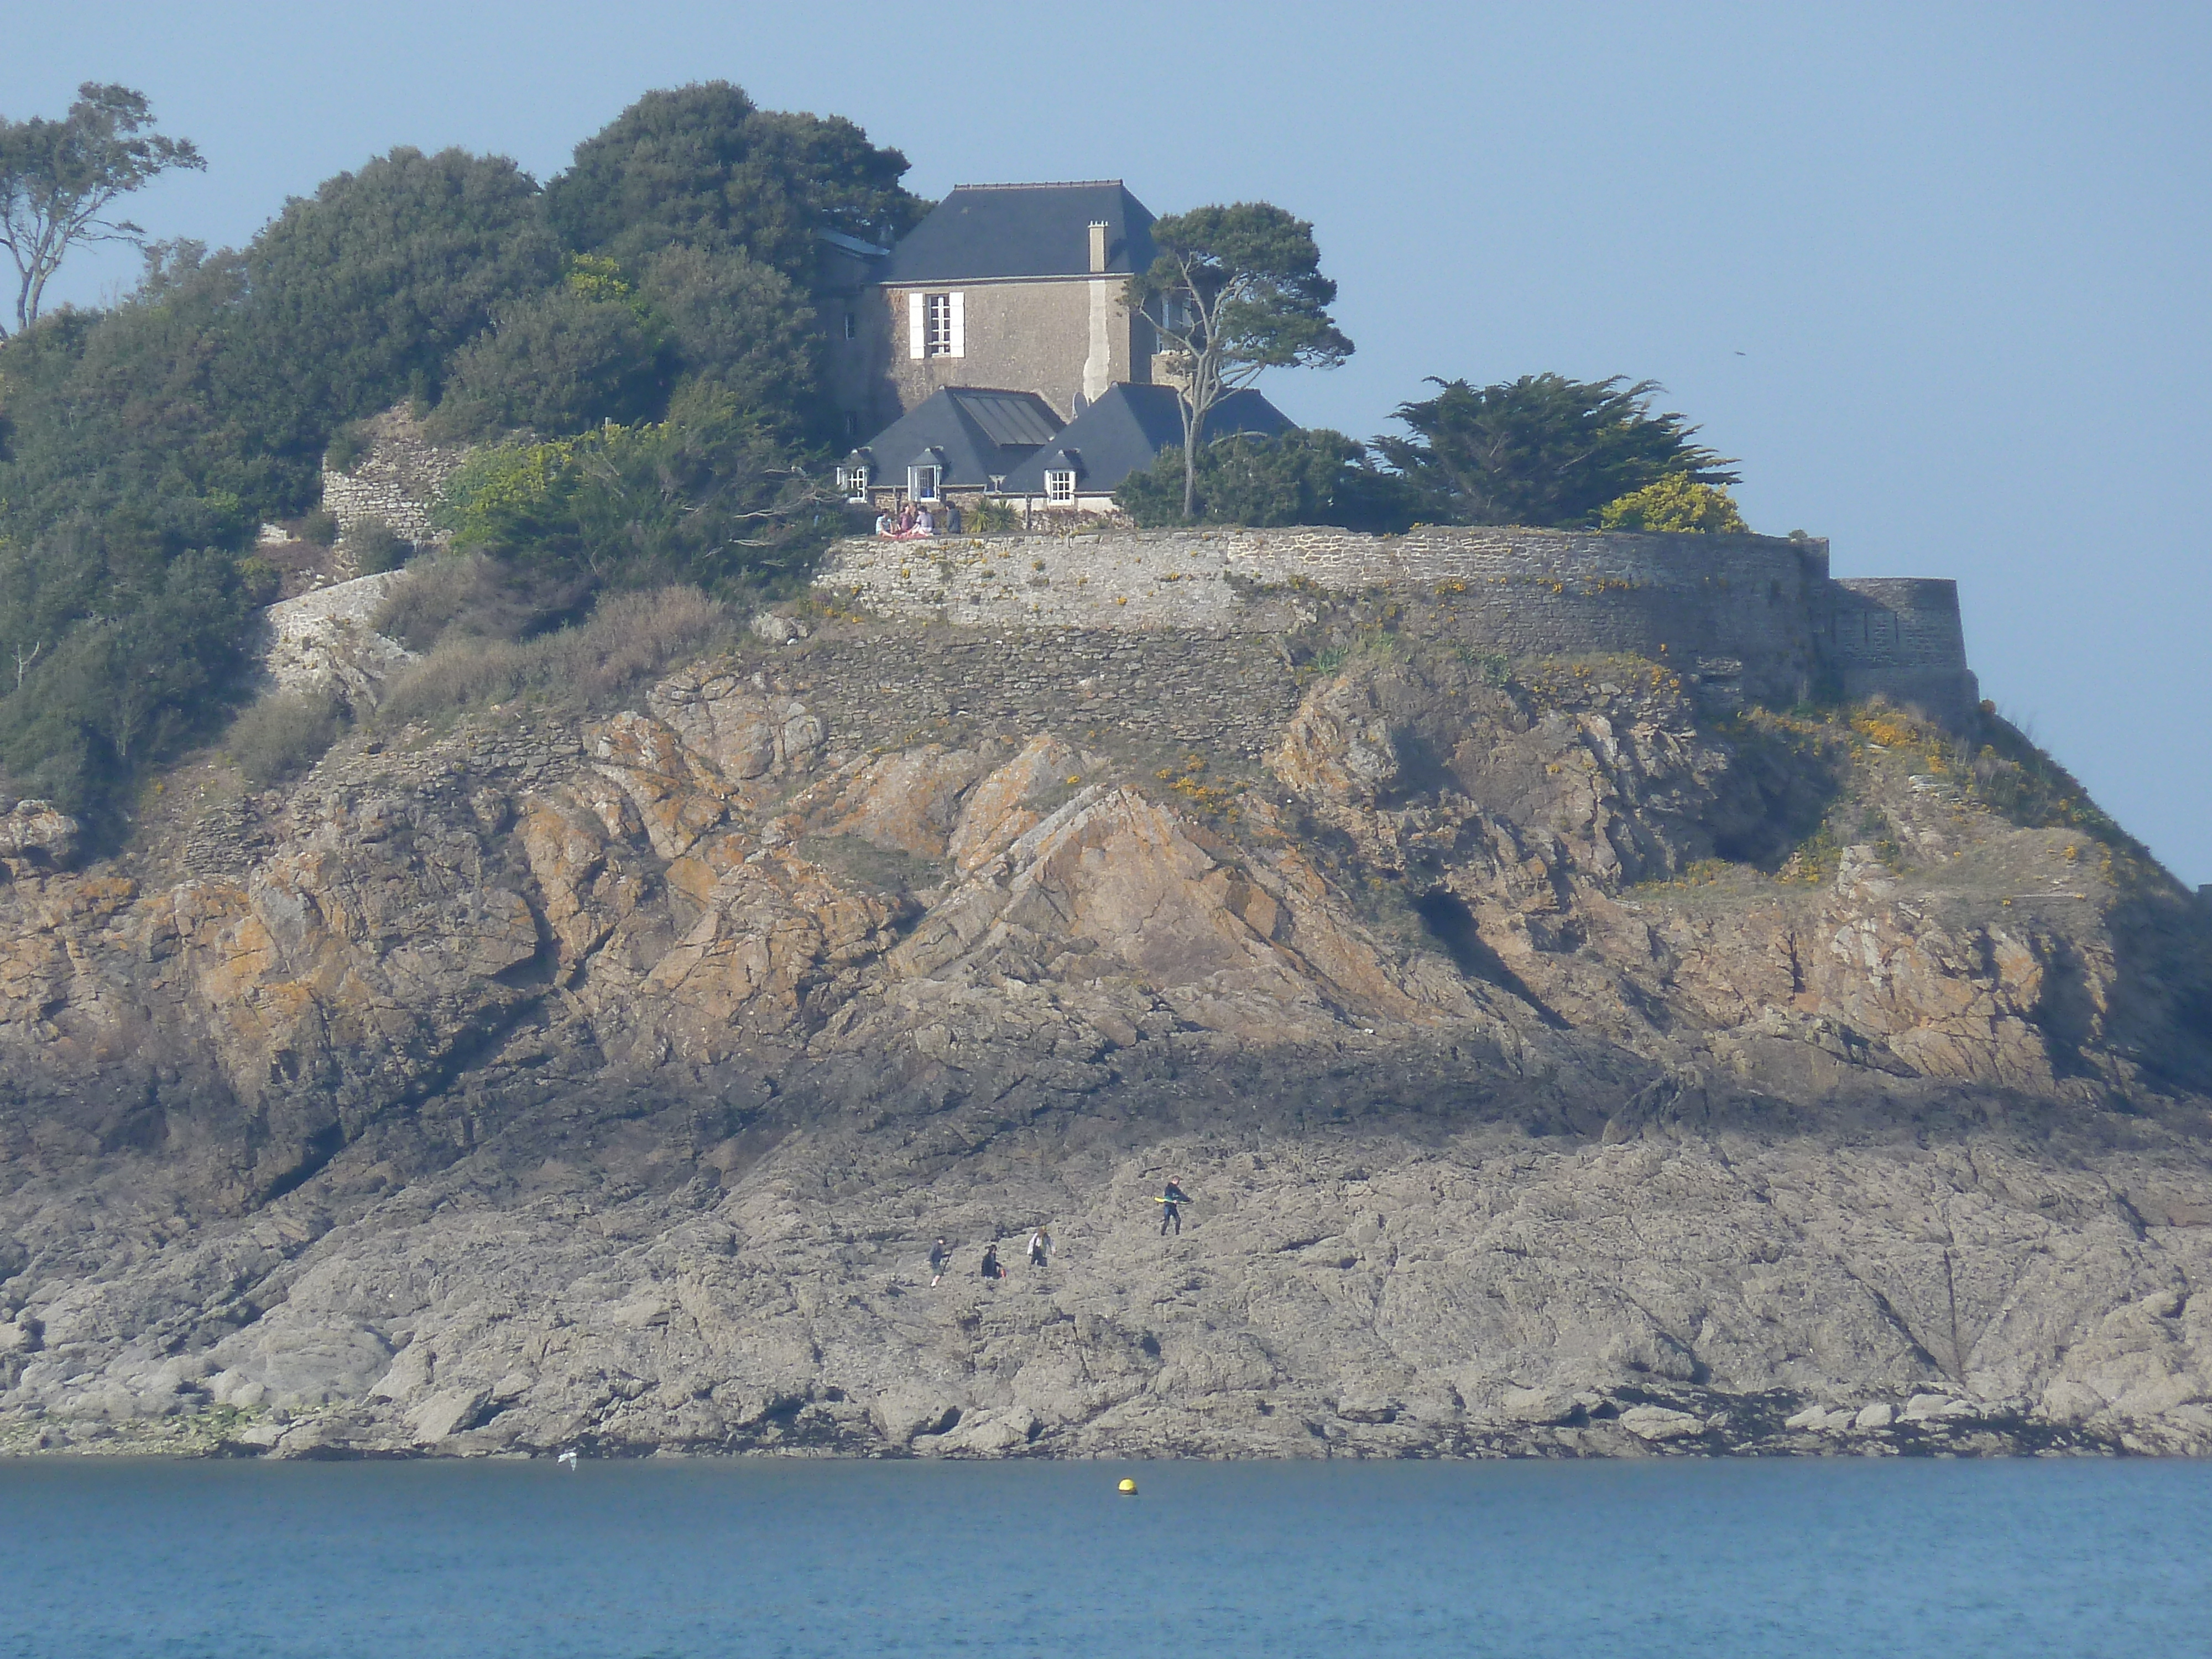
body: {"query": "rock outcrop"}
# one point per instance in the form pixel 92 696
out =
pixel 1554 1070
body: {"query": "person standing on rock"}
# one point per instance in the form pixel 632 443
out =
pixel 938 1257
pixel 991 1267
pixel 1040 1247
pixel 1171 1202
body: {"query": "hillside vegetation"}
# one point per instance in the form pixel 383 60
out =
pixel 632 348
pixel 662 284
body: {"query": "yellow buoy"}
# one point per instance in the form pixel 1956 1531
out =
pixel 1130 1487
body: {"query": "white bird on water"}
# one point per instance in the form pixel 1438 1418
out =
pixel 570 1458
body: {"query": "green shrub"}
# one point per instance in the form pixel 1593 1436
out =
pixel 261 580
pixel 283 735
pixel 712 494
pixel 373 547
pixel 1312 477
pixel 468 595
pixel 347 449
pixel 555 363
pixel 318 527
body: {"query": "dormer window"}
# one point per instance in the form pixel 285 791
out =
pixel 853 481
pixel 1060 487
pixel 921 482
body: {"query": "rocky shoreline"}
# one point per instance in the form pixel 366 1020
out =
pixel 1560 1069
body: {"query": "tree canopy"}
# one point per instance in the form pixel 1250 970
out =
pixel 1543 450
pixel 700 167
pixel 708 496
pixel 362 291
pixel 1234 291
pixel 662 286
pixel 58 178
pixel 1312 475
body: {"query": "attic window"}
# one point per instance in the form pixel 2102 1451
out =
pixel 1060 487
pixel 853 481
pixel 921 482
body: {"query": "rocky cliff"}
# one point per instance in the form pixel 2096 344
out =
pixel 1556 1066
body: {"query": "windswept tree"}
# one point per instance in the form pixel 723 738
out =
pixel 58 178
pixel 1542 450
pixel 1234 291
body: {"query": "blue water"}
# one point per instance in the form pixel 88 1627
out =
pixel 1734 1559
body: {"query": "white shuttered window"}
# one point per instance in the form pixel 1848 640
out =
pixel 936 325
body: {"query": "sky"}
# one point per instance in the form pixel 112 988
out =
pixel 1937 275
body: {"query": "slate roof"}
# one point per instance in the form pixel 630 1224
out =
pixel 977 434
pixel 983 231
pixel 1125 431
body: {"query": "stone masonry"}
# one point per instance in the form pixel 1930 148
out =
pixel 397 479
pixel 1757 617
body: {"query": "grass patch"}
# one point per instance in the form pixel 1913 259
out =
pixel 2022 784
pixel 884 868
pixel 627 640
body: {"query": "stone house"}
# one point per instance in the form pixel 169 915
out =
pixel 1005 287
pixel 1123 432
pixel 957 444
pixel 965 442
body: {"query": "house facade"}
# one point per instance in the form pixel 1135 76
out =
pixel 1005 287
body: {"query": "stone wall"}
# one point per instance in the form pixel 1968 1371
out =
pixel 1900 636
pixel 1229 692
pixel 1040 335
pixel 326 640
pixel 397 480
pixel 1755 617
pixel 1745 604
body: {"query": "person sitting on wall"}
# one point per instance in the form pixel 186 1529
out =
pixel 884 524
pixel 924 525
pixel 905 521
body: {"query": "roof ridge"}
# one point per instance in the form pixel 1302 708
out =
pixel 1049 183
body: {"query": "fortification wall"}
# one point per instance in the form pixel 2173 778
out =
pixel 1228 692
pixel 1752 617
pixel 1902 637
pixel 397 479
pixel 1741 610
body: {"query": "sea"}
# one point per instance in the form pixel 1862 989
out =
pixel 1655 1559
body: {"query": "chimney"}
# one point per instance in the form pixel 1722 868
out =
pixel 1097 246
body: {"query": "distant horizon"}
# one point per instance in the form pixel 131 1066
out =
pixel 1937 280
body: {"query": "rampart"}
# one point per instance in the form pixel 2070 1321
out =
pixel 1752 617
pixel 397 478
pixel 1228 692
pixel 1900 636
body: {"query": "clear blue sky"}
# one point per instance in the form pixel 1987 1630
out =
pixel 1939 276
